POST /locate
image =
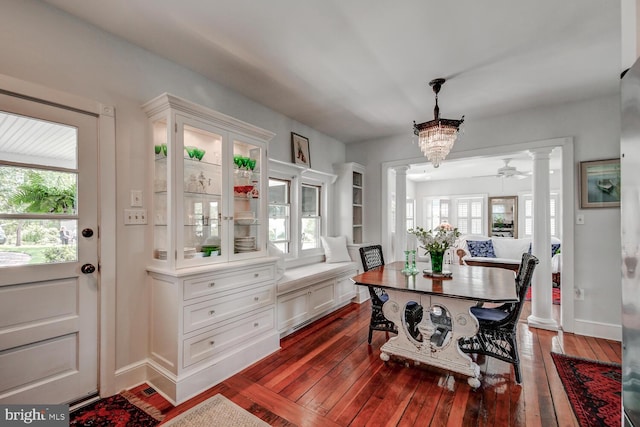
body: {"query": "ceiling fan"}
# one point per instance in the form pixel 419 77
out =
pixel 507 171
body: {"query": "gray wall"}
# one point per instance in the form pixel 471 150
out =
pixel 45 46
pixel 595 128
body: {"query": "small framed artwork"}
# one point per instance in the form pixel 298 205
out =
pixel 600 184
pixel 300 146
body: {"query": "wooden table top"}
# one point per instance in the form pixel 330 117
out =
pixel 487 284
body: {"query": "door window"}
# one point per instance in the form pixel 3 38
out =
pixel 38 191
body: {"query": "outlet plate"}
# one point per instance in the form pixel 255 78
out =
pixel 135 216
pixel 136 198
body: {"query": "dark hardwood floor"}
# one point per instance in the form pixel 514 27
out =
pixel 327 375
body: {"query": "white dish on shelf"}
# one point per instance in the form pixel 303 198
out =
pixel 245 221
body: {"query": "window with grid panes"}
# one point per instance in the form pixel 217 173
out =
pixel 279 213
pixel 470 215
pixel 410 214
pixel 311 220
pixel 436 212
pixel 554 216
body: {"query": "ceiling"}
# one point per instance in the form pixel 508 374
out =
pixel 359 69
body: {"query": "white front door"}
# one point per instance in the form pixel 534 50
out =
pixel 49 279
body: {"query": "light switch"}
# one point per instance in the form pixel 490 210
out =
pixel 580 219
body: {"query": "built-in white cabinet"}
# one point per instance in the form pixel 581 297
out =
pixel 211 284
pixel 350 200
pixel 306 293
pixel 209 185
pixel 207 324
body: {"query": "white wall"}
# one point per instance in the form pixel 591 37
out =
pixel 595 127
pixel 43 45
pixel 489 186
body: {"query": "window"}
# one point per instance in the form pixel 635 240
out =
pixel 311 220
pixel 410 214
pixel 470 215
pixel 280 213
pixel 554 217
pixel 437 212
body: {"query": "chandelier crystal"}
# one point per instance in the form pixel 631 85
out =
pixel 436 137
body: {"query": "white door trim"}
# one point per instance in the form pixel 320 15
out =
pixel 106 215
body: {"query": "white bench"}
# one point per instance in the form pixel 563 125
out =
pixel 308 292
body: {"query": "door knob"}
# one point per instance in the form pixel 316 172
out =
pixel 88 268
pixel 87 232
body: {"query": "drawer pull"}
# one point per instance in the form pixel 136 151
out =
pixel 212 284
pixel 256 274
pixel 212 342
pixel 212 312
pixel 256 324
pixel 256 298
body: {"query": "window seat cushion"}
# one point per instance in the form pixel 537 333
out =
pixel 300 277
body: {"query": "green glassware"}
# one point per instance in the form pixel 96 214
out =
pixel 414 269
pixel 407 268
pixel 436 261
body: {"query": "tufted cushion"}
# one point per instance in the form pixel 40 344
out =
pixel 481 248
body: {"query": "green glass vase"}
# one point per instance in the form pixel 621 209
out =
pixel 436 261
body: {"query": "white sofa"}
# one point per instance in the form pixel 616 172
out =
pixel 508 253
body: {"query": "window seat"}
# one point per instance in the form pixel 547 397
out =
pixel 309 292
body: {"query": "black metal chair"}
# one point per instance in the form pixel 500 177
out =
pixel 372 257
pixel 496 335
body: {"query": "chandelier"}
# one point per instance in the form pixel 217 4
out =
pixel 436 137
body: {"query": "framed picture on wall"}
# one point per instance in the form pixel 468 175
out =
pixel 300 146
pixel 600 184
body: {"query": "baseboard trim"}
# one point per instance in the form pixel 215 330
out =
pixel 131 375
pixel 588 328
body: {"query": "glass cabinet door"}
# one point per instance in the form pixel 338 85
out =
pixel 160 195
pixel 248 197
pixel 202 201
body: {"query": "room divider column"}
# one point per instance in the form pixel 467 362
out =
pixel 401 212
pixel 541 293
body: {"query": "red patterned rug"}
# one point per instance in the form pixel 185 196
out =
pixel 555 294
pixel 120 410
pixel 594 389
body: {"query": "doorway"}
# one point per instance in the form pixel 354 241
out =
pixel 49 265
pixel 565 205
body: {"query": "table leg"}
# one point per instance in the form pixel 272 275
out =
pixel 442 351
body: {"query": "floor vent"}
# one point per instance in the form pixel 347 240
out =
pixel 149 391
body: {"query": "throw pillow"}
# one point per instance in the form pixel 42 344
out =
pixel 481 248
pixel 555 248
pixel 335 249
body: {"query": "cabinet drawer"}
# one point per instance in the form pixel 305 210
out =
pixel 206 313
pixel 228 337
pixel 214 283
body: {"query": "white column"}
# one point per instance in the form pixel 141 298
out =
pixel 401 212
pixel 541 297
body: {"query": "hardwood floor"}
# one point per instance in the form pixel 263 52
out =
pixel 327 375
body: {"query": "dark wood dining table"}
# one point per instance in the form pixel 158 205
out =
pixel 446 303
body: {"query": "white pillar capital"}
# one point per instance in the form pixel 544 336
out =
pixel 540 153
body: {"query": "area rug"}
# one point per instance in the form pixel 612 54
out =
pixel 594 389
pixel 120 410
pixel 216 411
pixel 555 294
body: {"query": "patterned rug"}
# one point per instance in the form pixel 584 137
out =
pixel 594 389
pixel 216 411
pixel 120 410
pixel 555 294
